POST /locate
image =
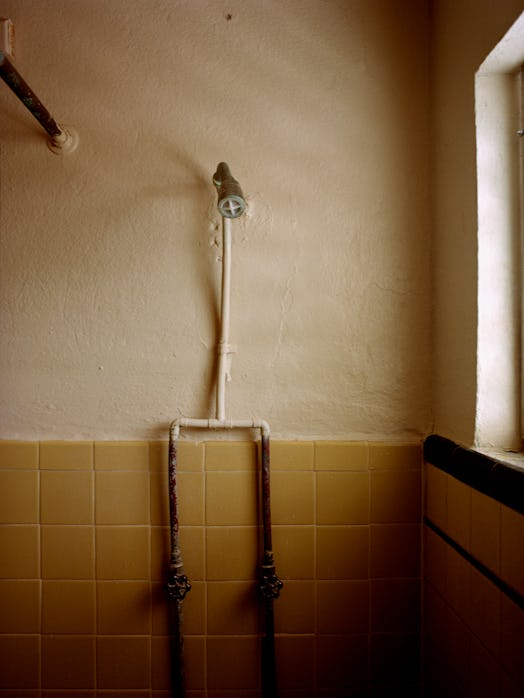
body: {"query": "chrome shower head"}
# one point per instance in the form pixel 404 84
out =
pixel 231 202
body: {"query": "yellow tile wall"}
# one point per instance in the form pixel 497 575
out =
pixel 84 541
pixel 474 633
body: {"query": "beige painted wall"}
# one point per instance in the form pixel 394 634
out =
pixel 109 256
pixel 463 35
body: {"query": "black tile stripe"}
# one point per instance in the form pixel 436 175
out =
pixel 505 588
pixel 490 476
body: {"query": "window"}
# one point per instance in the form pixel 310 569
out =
pixel 499 366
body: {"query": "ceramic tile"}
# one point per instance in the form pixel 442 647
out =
pixel 295 657
pixel 458 583
pixel 295 609
pixel 121 455
pixel 66 497
pixel 306 693
pixel 19 552
pixel 232 608
pixel 193 606
pixel 160 551
pixel 144 693
pixel 459 512
pixel 123 608
pixel 67 552
pixel 231 498
pixel 225 693
pixel 158 456
pixel 485 530
pixel 342 552
pixel 448 633
pixel 395 658
pixel 19 606
pixel 191 498
pixel 190 488
pixel 341 455
pixel 436 496
pixel 68 661
pixel 294 549
pixel 20 661
pixel 435 560
pixel 18 496
pixel 293 498
pixel 395 496
pixel 395 605
pixel 123 662
pixel 194 663
pixel 292 455
pixel 233 663
pixel 439 678
pixel 122 552
pixel 342 498
pixel 511 548
pixel 406 690
pixel 195 660
pixel 394 550
pixel 396 456
pixel 122 498
pixel 68 607
pixel 484 608
pixel 512 640
pixel 342 662
pixel 19 454
pixel 231 553
pixel 485 672
pixel 66 455
pixel 159 499
pixel 161 665
pixel 231 455
pixel 343 607
pixel 192 550
pixel 190 456
pixel 192 545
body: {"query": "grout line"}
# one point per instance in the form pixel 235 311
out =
pixel 40 581
pixel 505 588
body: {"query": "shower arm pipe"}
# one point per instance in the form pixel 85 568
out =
pixel 224 347
pixel 62 139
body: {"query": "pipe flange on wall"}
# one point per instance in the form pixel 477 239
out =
pixel 64 143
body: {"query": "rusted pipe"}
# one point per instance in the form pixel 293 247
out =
pixel 177 583
pixel 269 583
pixel 62 139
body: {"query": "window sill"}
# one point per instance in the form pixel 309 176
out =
pixel 512 459
pixel 496 473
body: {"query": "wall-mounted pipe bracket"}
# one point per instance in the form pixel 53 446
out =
pixel 7 37
pixel 65 142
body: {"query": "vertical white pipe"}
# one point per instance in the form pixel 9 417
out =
pixel 223 346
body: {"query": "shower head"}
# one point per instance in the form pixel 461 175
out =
pixel 231 202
